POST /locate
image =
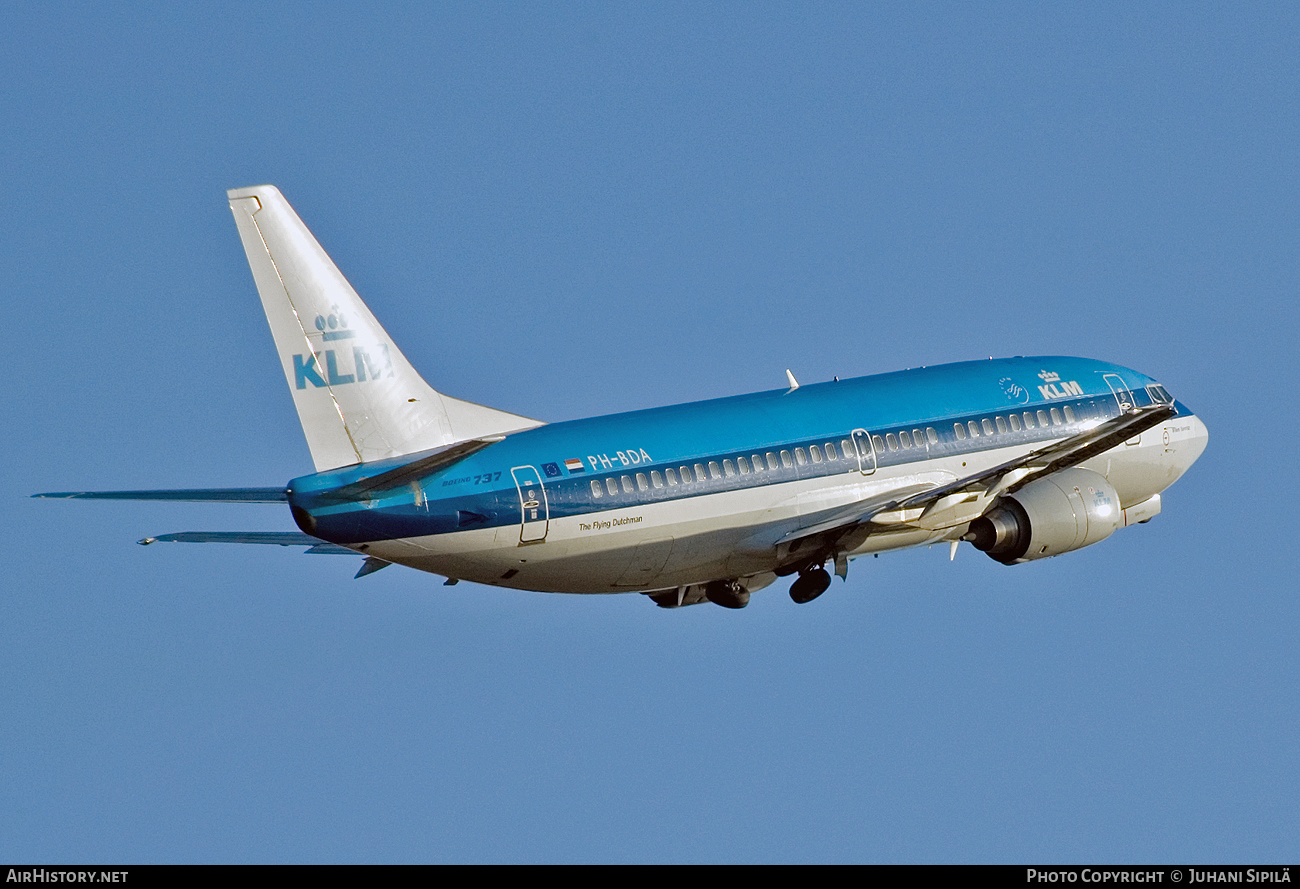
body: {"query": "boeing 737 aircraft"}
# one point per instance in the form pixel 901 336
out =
pixel 1024 458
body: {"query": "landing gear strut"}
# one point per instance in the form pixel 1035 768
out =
pixel 810 585
pixel 727 593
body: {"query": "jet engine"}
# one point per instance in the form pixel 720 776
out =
pixel 1065 511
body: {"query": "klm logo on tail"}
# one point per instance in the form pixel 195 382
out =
pixel 364 364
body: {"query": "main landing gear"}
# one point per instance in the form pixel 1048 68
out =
pixel 811 584
pixel 727 593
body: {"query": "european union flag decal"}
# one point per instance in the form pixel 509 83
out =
pixel 551 470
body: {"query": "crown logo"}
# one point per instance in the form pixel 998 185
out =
pixel 1048 377
pixel 334 326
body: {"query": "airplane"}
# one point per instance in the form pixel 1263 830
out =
pixel 1023 458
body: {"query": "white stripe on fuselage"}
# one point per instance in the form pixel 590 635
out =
pixel 733 533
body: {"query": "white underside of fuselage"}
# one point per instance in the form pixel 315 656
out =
pixel 734 534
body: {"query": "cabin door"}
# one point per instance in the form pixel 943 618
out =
pixel 1123 397
pixel 866 451
pixel 534 513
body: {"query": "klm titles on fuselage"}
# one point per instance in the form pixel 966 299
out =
pixel 1055 387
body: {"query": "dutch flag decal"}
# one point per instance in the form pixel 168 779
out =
pixel 574 465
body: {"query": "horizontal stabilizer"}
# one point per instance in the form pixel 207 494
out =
pixel 191 495
pixel 423 464
pixel 273 538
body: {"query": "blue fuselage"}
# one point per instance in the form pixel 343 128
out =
pixel 605 470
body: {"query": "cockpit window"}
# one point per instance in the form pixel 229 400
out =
pixel 1159 394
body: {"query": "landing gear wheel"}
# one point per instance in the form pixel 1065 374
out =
pixel 810 585
pixel 727 593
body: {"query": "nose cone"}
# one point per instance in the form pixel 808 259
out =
pixel 1187 440
pixel 1197 439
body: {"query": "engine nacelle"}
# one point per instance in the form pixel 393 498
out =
pixel 1065 511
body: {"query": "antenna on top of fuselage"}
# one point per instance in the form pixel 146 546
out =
pixel 357 396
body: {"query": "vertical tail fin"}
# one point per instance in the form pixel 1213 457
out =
pixel 357 396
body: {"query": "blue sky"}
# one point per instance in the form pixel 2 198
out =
pixel 562 210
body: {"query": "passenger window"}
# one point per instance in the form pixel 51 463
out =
pixel 988 426
pixel 1056 417
pixel 1043 422
pixel 1015 422
pixel 830 451
pixel 846 448
pixel 931 436
pixel 758 462
pixel 771 461
pixel 816 453
pixel 904 439
pixel 656 479
pixel 1029 420
pixel 728 468
pixel 892 439
pixel 715 471
pixel 1069 413
pixel 642 483
pixel 686 475
pixel 974 429
pixel 800 457
pixel 743 464
pixel 1002 424
pixel 671 476
pixel 626 481
pixel 611 486
pixel 700 474
pixel 595 489
pixel 960 431
pixel 879 443
pixel 786 461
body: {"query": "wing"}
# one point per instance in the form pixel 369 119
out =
pixel 909 503
pixel 1008 477
pixel 190 495
pixel 273 538
pixel 315 545
pixel 425 462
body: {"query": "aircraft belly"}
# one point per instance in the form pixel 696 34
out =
pixel 712 536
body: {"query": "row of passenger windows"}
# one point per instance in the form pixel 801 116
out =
pixel 1014 422
pixel 771 461
pixel 904 440
pixel 687 474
